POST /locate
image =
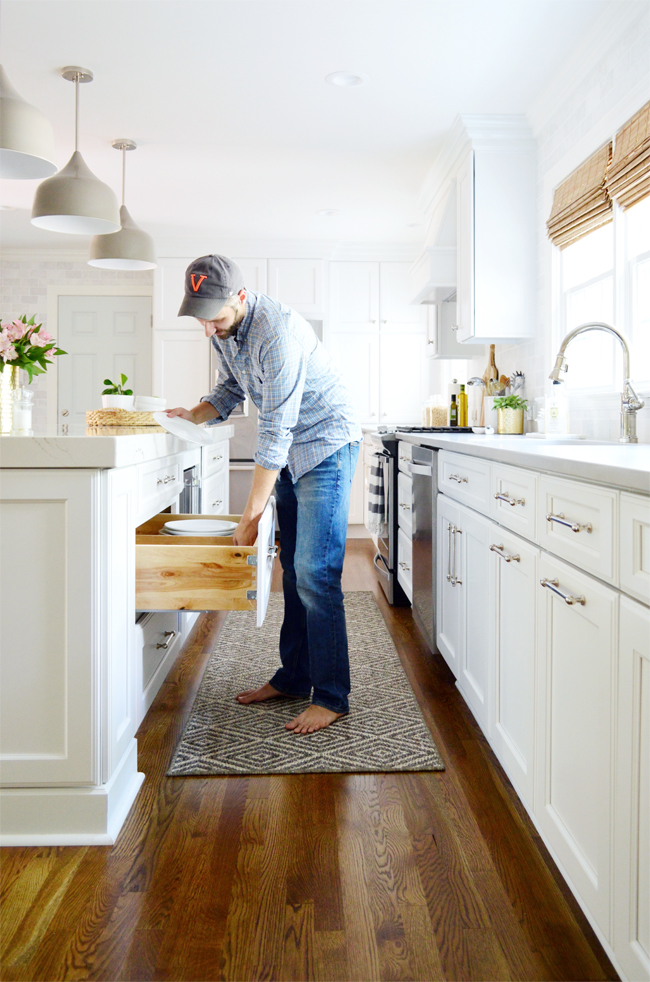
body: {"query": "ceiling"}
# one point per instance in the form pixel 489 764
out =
pixel 240 139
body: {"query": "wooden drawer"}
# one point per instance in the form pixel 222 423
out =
pixel 175 572
pixel 405 563
pixel 404 456
pixel 214 493
pixel 467 479
pixel 214 458
pixel 513 499
pixel 405 503
pixel 635 546
pixel 578 522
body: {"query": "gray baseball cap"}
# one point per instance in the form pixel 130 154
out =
pixel 209 282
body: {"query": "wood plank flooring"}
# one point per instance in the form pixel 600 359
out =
pixel 305 877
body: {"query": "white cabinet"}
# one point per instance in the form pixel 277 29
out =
pixel 403 377
pixel 255 273
pixel 181 366
pixel 513 597
pixel 449 600
pixel 214 494
pixel 472 573
pixel 395 311
pixel 576 685
pixel 442 332
pixel 356 357
pixel 405 563
pixel 354 297
pixel 297 283
pixel 632 799
pixel 635 546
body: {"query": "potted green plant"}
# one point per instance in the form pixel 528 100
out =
pixel 115 396
pixel 510 414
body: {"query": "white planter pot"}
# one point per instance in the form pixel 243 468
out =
pixel 117 402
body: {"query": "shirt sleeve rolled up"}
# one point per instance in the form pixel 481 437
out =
pixel 284 367
pixel 226 394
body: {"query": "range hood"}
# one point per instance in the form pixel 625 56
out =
pixel 433 275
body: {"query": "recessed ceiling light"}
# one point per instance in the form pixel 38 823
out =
pixel 328 212
pixel 413 225
pixel 346 79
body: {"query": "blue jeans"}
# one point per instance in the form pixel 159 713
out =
pixel 313 516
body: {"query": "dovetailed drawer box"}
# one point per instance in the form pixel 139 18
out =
pixel 177 572
pixel 466 479
pixel 635 546
pixel 578 522
pixel 513 499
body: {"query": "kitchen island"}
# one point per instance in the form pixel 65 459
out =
pixel 70 667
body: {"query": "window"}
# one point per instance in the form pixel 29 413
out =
pixel 606 277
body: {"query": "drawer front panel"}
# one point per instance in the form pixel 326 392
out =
pixel 405 503
pixel 405 563
pixel 160 634
pixel 214 494
pixel 215 458
pixel 404 456
pixel 635 546
pixel 514 499
pixel 466 479
pixel 578 523
pixel 159 481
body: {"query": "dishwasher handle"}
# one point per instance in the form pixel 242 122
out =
pixel 426 470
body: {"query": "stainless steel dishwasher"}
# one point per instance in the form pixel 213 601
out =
pixel 424 471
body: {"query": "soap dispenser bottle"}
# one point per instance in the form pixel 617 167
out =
pixel 556 411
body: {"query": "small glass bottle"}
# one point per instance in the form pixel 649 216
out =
pixel 453 412
pixel 462 407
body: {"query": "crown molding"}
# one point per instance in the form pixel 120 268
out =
pixel 605 34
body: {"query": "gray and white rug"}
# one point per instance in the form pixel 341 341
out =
pixel 385 730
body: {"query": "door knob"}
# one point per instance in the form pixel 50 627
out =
pixel 64 412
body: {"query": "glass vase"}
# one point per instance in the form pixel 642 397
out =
pixel 9 383
pixel 22 416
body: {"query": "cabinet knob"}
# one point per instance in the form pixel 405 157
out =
pixel 64 412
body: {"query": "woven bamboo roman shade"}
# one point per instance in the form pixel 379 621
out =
pixel 581 203
pixel 628 177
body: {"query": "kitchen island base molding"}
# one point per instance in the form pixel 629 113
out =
pixel 71 816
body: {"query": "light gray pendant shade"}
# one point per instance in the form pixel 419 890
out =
pixel 26 136
pixel 130 248
pixel 74 200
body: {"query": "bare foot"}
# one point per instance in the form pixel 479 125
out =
pixel 258 695
pixel 314 718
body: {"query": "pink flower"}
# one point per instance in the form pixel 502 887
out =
pixel 16 331
pixel 8 353
pixel 45 336
pixel 37 340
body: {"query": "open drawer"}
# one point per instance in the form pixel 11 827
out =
pixel 177 572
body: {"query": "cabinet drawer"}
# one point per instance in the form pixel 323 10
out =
pixel 578 522
pixel 175 572
pixel 214 493
pixel 404 456
pixel 214 458
pixel 405 563
pixel 159 482
pixel 466 479
pixel 405 503
pixel 514 499
pixel 160 634
pixel 635 546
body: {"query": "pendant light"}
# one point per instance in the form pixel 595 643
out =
pixel 26 137
pixel 74 200
pixel 131 247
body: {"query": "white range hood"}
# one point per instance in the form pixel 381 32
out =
pixel 433 275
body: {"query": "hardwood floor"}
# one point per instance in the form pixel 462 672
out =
pixel 425 876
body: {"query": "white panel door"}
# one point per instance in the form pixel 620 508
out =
pixel 104 337
pixel 254 271
pixel 576 685
pixel 476 650
pixel 513 590
pixel 632 812
pixel 465 248
pixel 298 283
pixel 181 366
pixel 354 297
pixel 356 358
pixel 395 312
pixel 449 623
pixel 403 377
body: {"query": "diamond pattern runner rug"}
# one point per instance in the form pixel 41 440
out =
pixel 385 730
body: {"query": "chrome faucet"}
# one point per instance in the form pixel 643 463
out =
pixel 630 403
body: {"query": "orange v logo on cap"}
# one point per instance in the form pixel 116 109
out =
pixel 195 286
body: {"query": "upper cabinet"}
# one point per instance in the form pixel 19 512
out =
pixel 488 166
pixel 298 283
pixel 373 296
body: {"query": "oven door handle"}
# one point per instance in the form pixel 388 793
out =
pixel 385 570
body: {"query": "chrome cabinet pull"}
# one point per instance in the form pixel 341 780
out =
pixel 503 555
pixel 407 459
pixel 403 505
pixel 455 581
pixel 504 496
pixel 568 599
pixel 458 479
pixel 574 526
pixel 405 566
pixel 218 456
pixel 449 531
pixel 168 478
pixel 215 504
pixel 170 635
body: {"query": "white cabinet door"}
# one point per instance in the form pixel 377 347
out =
pixel 181 366
pixel 395 312
pixel 513 592
pixel 354 297
pixel 449 598
pixel 254 271
pixel 214 494
pixel 403 377
pixel 473 533
pixel 298 283
pixel 576 683
pixel 168 293
pixel 465 248
pixel 632 799
pixel 356 357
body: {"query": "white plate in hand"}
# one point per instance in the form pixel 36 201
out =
pixel 183 428
pixel 200 526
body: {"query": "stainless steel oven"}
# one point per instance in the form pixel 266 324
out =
pixel 386 555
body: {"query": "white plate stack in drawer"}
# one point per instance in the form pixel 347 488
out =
pixel 466 479
pixel 513 499
pixel 578 522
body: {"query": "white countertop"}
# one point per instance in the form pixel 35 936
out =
pixel 619 465
pixel 99 446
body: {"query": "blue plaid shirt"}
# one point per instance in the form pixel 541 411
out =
pixel 305 412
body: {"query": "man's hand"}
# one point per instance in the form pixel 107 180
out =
pixel 179 411
pixel 198 414
pixel 246 532
pixel 263 483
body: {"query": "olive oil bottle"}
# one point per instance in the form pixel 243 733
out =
pixel 462 407
pixel 453 412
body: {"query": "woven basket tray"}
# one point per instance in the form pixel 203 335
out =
pixel 118 417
